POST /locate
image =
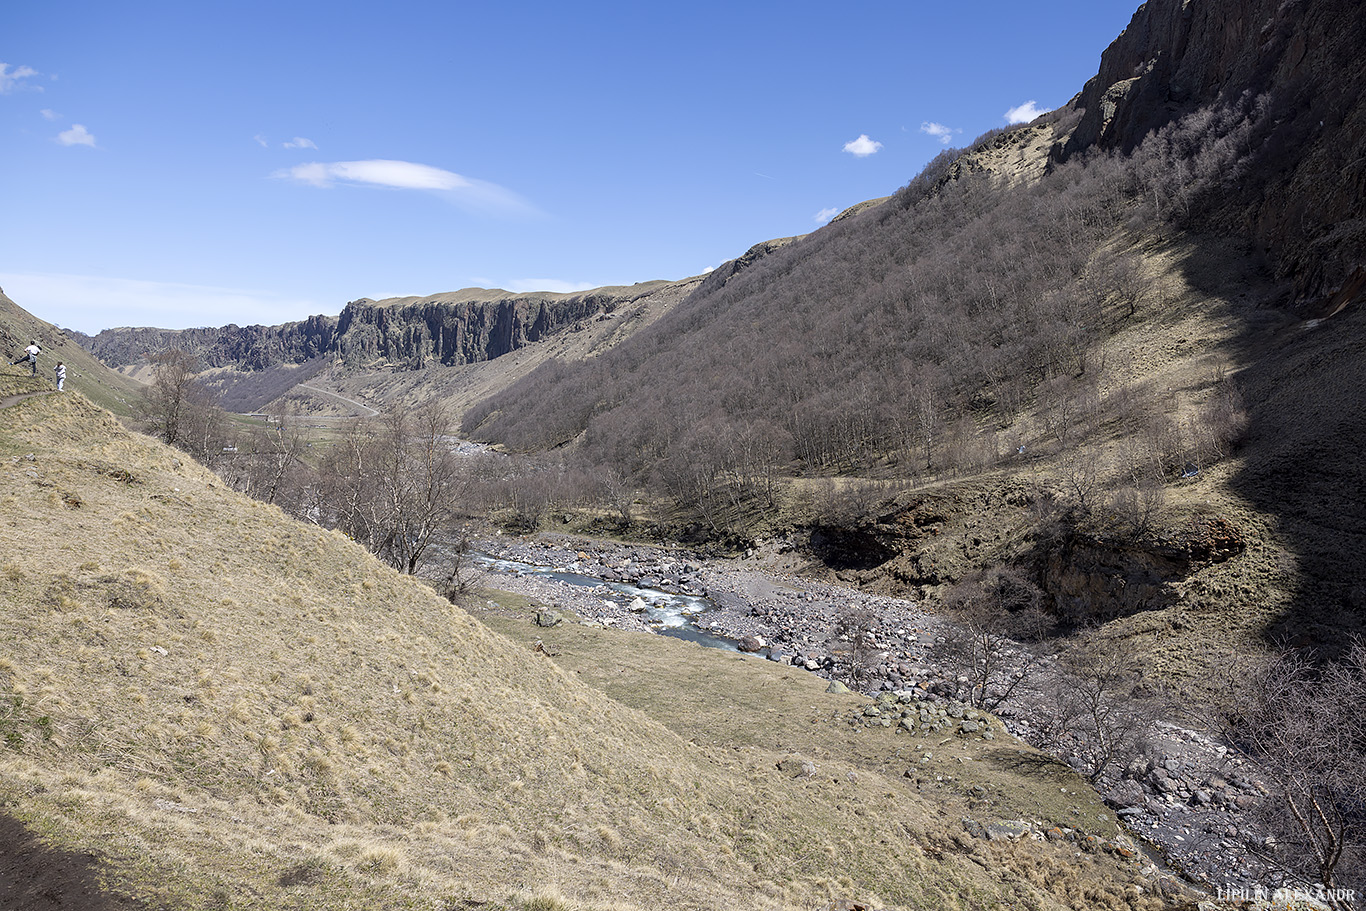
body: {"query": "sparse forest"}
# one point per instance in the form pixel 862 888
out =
pixel 938 333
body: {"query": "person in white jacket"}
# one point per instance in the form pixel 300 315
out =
pixel 31 355
pixel 60 370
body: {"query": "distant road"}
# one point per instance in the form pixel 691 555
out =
pixel 370 411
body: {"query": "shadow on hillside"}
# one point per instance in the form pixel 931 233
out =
pixel 35 877
pixel 1304 456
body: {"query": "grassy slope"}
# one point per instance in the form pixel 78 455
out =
pixel 236 710
pixel 84 373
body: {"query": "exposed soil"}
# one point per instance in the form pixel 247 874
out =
pixel 35 877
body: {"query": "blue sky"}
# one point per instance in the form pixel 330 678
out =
pixel 185 164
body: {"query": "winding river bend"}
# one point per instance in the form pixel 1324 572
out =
pixel 666 612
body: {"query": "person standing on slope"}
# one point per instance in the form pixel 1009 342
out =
pixel 31 355
pixel 60 370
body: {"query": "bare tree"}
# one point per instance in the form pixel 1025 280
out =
pixel 990 612
pixel 1306 726
pixel 1096 712
pixel 455 572
pixel 268 461
pixel 394 483
pixel 179 409
pixel 855 626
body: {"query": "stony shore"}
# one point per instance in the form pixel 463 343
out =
pixel 1188 797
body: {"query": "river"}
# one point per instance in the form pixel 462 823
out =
pixel 665 612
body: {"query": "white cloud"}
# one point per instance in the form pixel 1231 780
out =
pixel 554 285
pixel 825 215
pixel 862 147
pixel 1025 112
pixel 939 131
pixel 78 135
pixel 408 175
pixel 91 303
pixel 261 141
pixel 298 142
pixel 49 114
pixel 402 175
pixel 11 79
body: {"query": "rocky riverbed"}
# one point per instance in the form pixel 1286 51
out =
pixel 1188 796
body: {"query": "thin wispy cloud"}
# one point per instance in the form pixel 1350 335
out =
pixel 49 114
pixel 298 142
pixel 825 215
pixel 78 135
pixel 91 303
pixel 862 147
pixel 464 191
pixel 939 131
pixel 261 141
pixel 1025 112
pixel 11 79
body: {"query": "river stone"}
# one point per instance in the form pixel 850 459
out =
pixel 837 688
pixel 750 644
pixel 637 606
pixel 548 618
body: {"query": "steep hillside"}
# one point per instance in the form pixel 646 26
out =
pixel 84 373
pixel 227 709
pixel 1120 348
pixel 1300 63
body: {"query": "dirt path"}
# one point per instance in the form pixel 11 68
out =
pixel 9 400
pixel 341 398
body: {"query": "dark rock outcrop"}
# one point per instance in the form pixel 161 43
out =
pixel 733 267
pixel 1297 63
pixel 461 327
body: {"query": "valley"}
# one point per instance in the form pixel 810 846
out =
pixel 1025 502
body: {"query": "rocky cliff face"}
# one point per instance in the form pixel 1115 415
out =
pixel 1298 63
pixel 461 327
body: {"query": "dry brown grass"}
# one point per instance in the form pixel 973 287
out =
pixel 235 710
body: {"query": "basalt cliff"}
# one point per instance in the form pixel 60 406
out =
pixel 451 329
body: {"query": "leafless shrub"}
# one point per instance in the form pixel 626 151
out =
pixel 1222 423
pixel 847 501
pixel 855 626
pixel 990 612
pixel 455 572
pixel 1139 490
pixel 180 410
pixel 1079 474
pixel 1098 710
pixel 1306 726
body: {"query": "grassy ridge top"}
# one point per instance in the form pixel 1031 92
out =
pixel 233 709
